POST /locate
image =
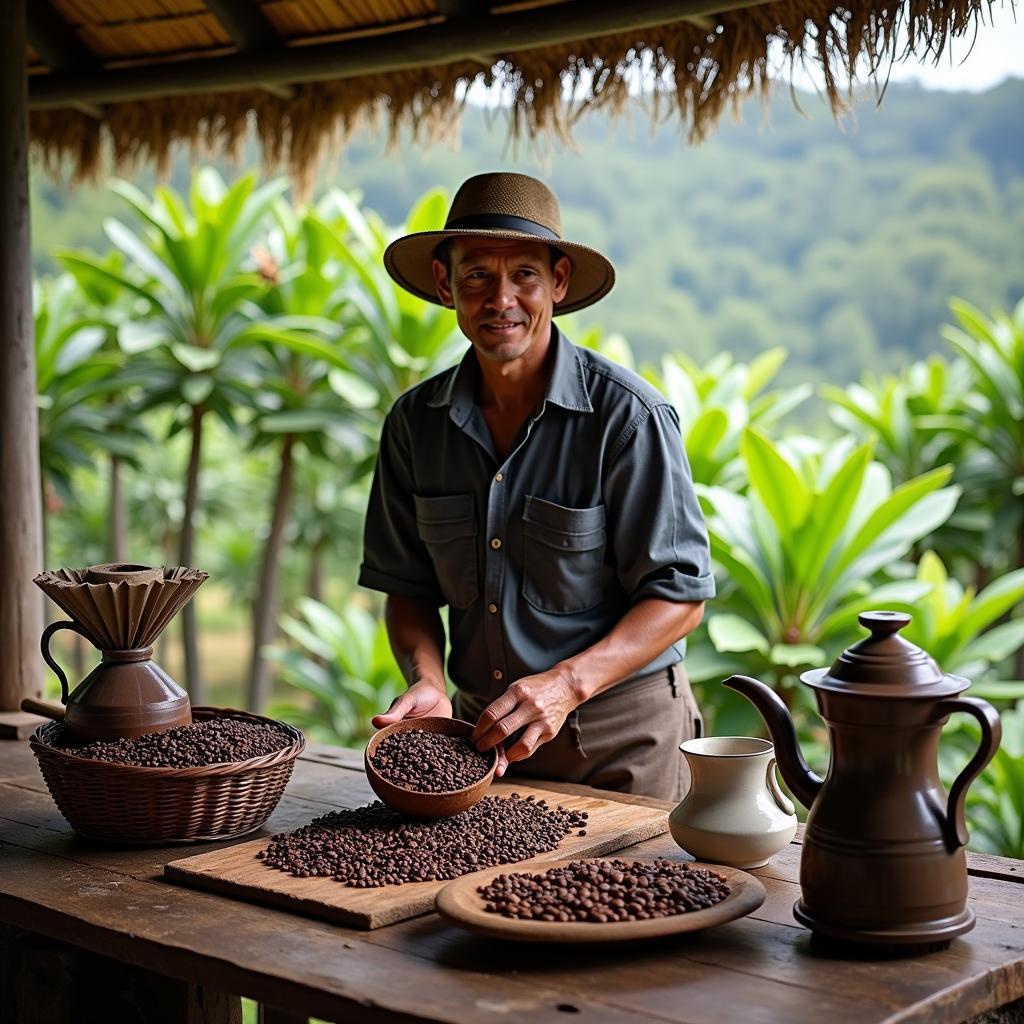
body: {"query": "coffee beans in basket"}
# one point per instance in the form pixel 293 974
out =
pixel 214 741
pixel 372 846
pixel 605 891
pixel 430 762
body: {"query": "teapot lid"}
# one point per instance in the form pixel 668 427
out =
pixel 886 665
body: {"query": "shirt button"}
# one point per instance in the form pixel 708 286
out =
pixel 498 478
pixel 493 609
pixel 495 543
pixel 497 673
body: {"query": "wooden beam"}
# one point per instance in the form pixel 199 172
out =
pixel 394 51
pixel 454 9
pixel 21 534
pixel 54 39
pixel 245 23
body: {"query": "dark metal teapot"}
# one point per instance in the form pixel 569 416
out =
pixel 883 854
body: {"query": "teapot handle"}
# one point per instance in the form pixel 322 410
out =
pixel 44 644
pixel 955 828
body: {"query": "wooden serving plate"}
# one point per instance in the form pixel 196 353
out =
pixel 460 902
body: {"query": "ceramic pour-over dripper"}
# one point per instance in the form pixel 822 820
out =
pixel 120 609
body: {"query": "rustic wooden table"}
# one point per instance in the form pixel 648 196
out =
pixel 97 935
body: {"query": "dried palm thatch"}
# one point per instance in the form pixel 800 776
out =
pixel 694 69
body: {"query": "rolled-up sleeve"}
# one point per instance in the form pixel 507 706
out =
pixel 395 559
pixel 656 527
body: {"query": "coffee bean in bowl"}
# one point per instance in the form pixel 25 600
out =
pixel 428 767
pixel 605 891
pixel 600 900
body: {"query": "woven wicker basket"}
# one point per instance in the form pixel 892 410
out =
pixel 118 803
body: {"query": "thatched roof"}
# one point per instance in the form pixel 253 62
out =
pixel 133 77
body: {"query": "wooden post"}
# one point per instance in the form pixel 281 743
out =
pixel 20 502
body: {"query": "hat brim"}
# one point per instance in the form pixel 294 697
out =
pixel 409 261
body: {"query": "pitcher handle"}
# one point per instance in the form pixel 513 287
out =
pixel 955 828
pixel 44 645
pixel 785 804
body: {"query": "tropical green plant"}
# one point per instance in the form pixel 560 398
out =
pixel 995 802
pixel 307 403
pixel 917 422
pixel 801 554
pixel 405 339
pixel 612 345
pixel 78 386
pixel 955 626
pixel 717 402
pixel 195 326
pixel 342 662
pixel 994 413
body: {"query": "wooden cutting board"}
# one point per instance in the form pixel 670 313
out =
pixel 236 871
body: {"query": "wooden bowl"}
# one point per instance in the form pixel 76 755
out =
pixel 426 805
pixel 460 903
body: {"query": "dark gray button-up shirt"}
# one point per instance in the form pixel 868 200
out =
pixel 540 555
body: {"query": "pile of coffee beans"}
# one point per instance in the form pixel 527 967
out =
pixel 605 891
pixel 372 846
pixel 213 741
pixel 430 762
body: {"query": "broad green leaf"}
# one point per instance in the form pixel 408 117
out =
pixel 995 645
pixel 135 336
pixel 762 370
pixel 995 600
pixel 785 496
pixel 428 212
pixel 706 433
pixel 886 514
pixel 830 515
pixel 196 390
pixel 195 359
pixel 794 655
pixel 731 633
pixel 353 389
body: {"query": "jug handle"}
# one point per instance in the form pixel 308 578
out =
pixel 44 645
pixel 785 804
pixel 955 828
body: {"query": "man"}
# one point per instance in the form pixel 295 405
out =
pixel 542 492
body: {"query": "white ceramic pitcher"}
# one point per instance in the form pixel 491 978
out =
pixel 735 812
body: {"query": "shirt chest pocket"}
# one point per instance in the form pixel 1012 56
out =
pixel 563 556
pixel 447 526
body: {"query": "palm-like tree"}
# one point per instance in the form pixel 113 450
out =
pixel 195 318
pixel 78 385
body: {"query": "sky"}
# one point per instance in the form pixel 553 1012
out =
pixel 997 53
pixel 972 63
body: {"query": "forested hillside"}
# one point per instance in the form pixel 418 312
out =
pixel 841 242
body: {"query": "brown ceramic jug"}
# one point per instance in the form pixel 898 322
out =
pixel 120 609
pixel 883 854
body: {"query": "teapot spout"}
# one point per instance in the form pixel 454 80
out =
pixel 803 783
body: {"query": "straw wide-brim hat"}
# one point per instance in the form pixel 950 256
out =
pixel 502 205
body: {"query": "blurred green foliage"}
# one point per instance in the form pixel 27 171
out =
pixel 841 243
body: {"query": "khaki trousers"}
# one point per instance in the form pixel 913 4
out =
pixel 625 739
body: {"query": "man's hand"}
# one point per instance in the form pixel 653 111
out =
pixel 537 704
pixel 422 700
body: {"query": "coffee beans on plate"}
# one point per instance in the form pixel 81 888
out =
pixel 430 762
pixel 605 891
pixel 213 741
pixel 373 846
